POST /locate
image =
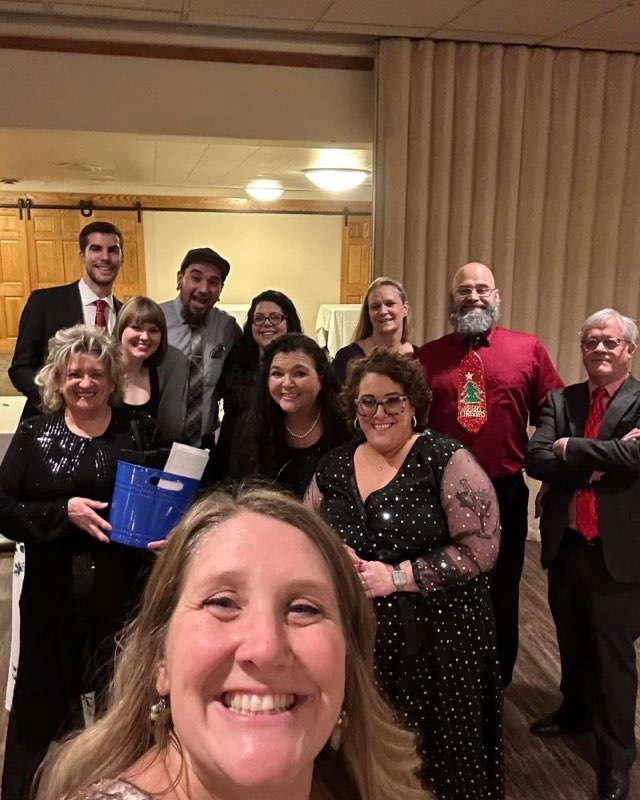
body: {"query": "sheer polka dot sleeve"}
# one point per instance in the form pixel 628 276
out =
pixel 471 510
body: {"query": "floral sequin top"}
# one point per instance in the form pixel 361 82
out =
pixel 115 790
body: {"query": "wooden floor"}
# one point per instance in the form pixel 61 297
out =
pixel 537 769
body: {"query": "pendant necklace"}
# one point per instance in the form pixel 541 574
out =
pixel 379 467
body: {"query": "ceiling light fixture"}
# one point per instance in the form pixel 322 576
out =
pixel 264 190
pixel 338 179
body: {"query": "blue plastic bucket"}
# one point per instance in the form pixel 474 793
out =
pixel 141 511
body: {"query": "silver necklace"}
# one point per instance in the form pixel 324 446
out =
pixel 302 435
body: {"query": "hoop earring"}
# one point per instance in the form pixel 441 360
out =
pixel 158 709
pixel 356 423
pixel 414 422
pixel 335 740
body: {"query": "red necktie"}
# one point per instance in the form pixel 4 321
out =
pixel 101 320
pixel 472 395
pixel 586 500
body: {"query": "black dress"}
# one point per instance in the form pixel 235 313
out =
pixel 435 649
pixel 348 353
pixel 77 591
pixel 151 406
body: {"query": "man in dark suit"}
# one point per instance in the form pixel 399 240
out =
pixel 587 449
pixel 88 300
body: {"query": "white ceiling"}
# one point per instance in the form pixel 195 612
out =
pixel 118 163
pixel 189 166
pixel 603 24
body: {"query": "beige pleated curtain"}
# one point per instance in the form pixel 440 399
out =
pixel 527 159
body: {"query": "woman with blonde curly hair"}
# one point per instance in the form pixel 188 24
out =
pixel 56 481
pixel 245 676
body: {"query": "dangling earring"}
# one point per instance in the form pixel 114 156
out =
pixel 414 421
pixel 335 740
pixel 356 423
pixel 158 709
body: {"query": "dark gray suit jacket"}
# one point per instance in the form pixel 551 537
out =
pixel 46 312
pixel 618 491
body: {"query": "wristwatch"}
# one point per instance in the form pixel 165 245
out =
pixel 399 577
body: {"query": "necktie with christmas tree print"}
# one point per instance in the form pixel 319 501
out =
pixel 472 395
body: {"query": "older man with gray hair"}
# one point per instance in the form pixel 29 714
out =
pixel 587 449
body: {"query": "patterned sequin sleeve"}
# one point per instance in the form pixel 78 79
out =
pixel 21 518
pixel 471 510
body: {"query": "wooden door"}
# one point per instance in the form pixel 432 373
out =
pixel 53 248
pixel 14 276
pixel 355 275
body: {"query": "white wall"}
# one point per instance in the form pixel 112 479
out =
pixel 70 91
pixel 296 254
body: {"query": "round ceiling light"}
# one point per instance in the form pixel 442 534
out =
pixel 337 179
pixel 264 190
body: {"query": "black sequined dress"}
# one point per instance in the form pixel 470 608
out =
pixel 435 649
pixel 77 591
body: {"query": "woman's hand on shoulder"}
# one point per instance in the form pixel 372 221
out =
pixel 82 512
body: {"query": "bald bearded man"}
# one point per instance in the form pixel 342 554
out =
pixel 489 383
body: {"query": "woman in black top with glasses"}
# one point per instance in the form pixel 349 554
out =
pixel 271 314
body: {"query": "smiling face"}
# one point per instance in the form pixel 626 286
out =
pixel 101 259
pixel 85 385
pixel 385 432
pixel 200 286
pixel 475 302
pixel 265 330
pixel 294 383
pixel 387 311
pixel 140 340
pixel 254 659
pixel 607 366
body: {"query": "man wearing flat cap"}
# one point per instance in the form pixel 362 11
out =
pixel 200 337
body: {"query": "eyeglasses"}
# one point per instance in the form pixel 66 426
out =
pixel 367 405
pixel 467 291
pixel 272 319
pixel 609 343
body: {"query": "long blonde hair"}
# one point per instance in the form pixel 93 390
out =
pixel 377 759
pixel 364 326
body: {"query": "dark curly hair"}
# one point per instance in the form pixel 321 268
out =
pixel 263 434
pixel 399 368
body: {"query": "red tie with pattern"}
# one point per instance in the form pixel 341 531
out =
pixel 472 395
pixel 586 500
pixel 101 320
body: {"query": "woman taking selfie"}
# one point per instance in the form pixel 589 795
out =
pixel 245 677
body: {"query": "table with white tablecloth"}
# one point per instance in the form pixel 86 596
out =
pixel 335 325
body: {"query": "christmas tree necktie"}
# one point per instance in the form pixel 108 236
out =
pixel 472 395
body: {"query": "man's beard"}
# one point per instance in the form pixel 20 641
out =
pixel 473 321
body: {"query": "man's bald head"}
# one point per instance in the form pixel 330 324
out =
pixel 473 273
pixel 475 302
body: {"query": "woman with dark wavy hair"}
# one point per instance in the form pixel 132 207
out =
pixel 271 314
pixel 294 417
pixel 420 519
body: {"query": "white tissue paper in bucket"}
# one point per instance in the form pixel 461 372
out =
pixel 186 461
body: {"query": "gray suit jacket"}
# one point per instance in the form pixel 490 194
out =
pixel 618 491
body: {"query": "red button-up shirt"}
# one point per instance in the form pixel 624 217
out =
pixel 518 375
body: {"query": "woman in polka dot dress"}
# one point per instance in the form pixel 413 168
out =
pixel 421 521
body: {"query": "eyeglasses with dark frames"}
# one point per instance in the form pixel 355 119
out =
pixel 393 404
pixel 272 319
pixel 608 342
